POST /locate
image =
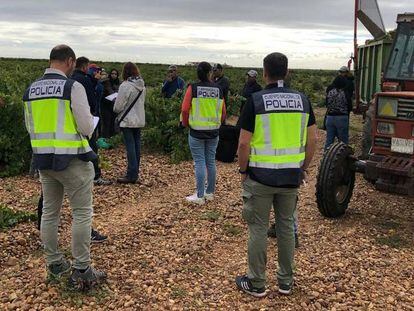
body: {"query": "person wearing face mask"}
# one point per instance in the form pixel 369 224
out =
pixel 58 119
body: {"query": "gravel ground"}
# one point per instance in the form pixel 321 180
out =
pixel 163 254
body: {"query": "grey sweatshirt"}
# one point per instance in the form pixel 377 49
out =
pixel 128 91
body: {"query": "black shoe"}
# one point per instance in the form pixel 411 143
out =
pixel 271 232
pixel 102 182
pixel 56 270
pixel 84 281
pixel 126 180
pixel 286 289
pixel 96 237
pixel 244 283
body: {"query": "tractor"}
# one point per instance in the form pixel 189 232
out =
pixel 384 93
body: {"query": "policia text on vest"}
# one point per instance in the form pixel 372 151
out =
pixel 206 108
pixel 278 143
pixel 282 101
pixel 49 118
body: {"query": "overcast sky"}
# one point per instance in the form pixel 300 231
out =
pixel 312 33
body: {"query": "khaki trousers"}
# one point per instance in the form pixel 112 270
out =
pixel 77 182
pixel 258 200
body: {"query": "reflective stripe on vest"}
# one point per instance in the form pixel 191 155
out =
pixel 279 140
pixel 52 127
pixel 205 113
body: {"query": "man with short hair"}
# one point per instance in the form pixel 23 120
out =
pixel 58 119
pixel 251 86
pixel 222 81
pixel 81 75
pixel 277 143
pixel 173 83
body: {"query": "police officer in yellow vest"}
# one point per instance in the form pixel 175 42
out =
pixel 276 145
pixel 203 110
pixel 59 121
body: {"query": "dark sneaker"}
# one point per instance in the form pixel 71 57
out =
pixel 84 281
pixel 286 289
pixel 101 182
pixel 271 232
pixel 125 180
pixel 96 237
pixel 58 269
pixel 244 283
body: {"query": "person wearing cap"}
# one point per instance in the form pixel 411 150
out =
pixel 173 83
pixel 350 85
pixel 339 106
pixel 251 86
pixel 95 73
pixel 222 81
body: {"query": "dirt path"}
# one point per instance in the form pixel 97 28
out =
pixel 164 254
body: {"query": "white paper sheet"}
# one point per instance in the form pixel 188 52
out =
pixel 95 122
pixel 112 96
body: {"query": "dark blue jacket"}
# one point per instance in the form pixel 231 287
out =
pixel 169 88
pixel 85 80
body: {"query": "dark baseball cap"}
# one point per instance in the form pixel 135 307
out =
pixel 217 67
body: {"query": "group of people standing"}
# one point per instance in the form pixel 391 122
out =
pixel 61 115
pixel 99 87
pixel 276 146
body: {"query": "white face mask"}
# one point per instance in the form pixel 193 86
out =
pixel 280 83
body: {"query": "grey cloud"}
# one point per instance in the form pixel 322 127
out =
pixel 323 14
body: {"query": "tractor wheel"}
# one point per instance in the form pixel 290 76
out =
pixel 335 181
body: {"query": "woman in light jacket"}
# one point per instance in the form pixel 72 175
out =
pixel 131 125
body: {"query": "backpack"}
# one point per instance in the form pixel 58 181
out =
pixel 336 102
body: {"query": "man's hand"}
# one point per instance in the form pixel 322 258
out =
pixel 304 178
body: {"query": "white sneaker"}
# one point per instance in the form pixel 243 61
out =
pixel 195 199
pixel 209 196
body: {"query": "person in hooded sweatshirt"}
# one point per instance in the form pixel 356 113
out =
pixel 131 88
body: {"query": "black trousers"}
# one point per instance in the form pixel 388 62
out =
pixel 39 211
pixel 94 146
pixel 107 119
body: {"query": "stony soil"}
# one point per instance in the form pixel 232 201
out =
pixel 164 254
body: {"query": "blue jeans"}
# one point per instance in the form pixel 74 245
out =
pixel 337 126
pixel 132 138
pixel 204 156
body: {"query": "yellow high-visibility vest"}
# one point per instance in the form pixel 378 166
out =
pixel 206 108
pixel 279 140
pixel 280 132
pixel 49 118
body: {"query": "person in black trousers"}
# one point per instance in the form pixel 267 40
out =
pixel 89 82
pixel 111 86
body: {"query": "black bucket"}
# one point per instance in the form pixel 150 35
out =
pixel 228 143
